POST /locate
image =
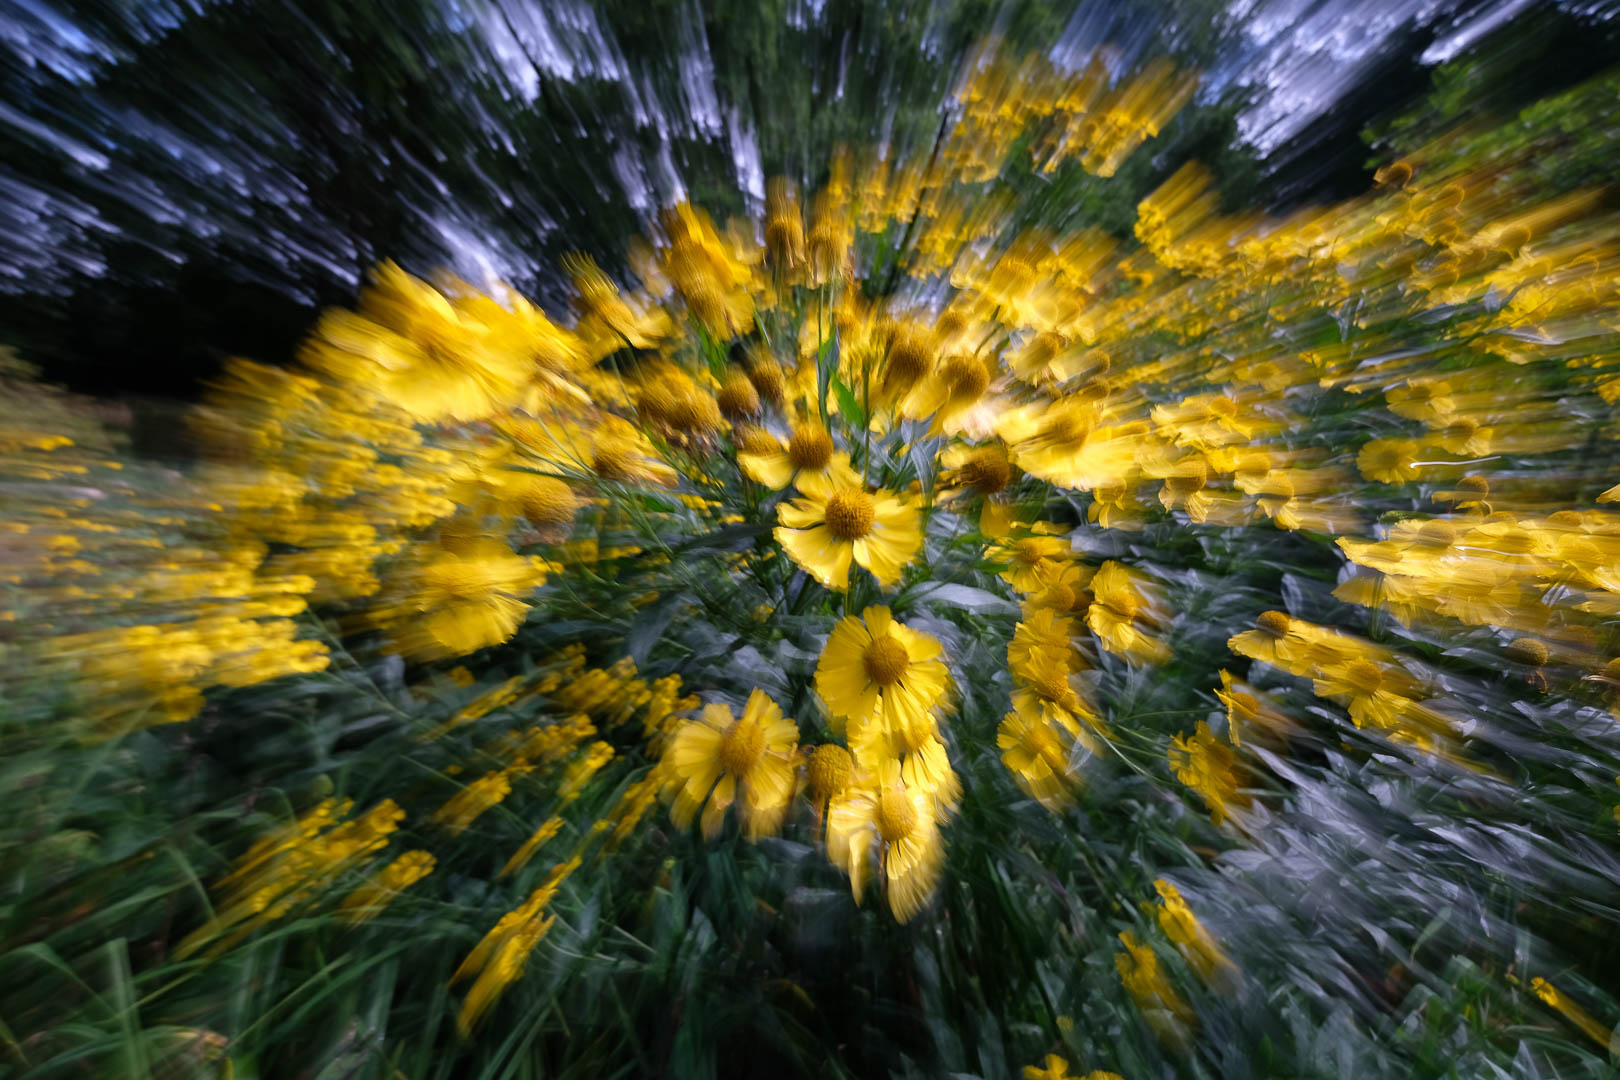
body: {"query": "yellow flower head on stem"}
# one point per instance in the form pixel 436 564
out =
pixel 722 760
pixel 838 522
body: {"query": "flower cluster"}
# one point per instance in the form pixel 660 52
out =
pixel 994 510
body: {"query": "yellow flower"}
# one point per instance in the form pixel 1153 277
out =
pixel 462 601
pixel 1278 638
pixel 385 884
pixel 719 758
pixel 885 679
pixel 1121 602
pixel 983 470
pixel 884 824
pixel 1249 710
pixel 829 770
pixel 1582 1019
pixel 1058 1069
pixel 1205 764
pixel 1381 695
pixel 416 350
pixel 499 958
pixel 1064 588
pixel 839 522
pixel 1029 558
pixel 1035 746
pixel 1182 927
pixel 949 393
pixel 520 858
pixel 1389 461
pixel 1163 1008
pixel 765 459
pixel 465 806
pixel 613 449
pixel 1041 657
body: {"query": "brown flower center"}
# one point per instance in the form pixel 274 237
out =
pixel 985 472
pixel 611 460
pixel 885 660
pixel 756 440
pixel 1364 677
pixel 741 747
pixel 1275 623
pixel 1437 533
pixel 850 514
pixel 810 448
pixel 1528 651
pixel 1058 596
pixel 1028 551
pixel 830 769
pixel 896 816
pixel 1185 485
pixel 1052 684
pixel 1066 425
pixel 908 361
pixel 965 379
pixel 770 383
pixel 548 501
pixel 738 398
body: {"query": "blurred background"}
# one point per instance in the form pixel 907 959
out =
pixel 1235 388
pixel 188 181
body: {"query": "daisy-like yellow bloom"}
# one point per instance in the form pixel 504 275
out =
pixel 1181 926
pixel 1029 557
pixel 1205 764
pixel 462 601
pixel 1379 695
pixel 1389 461
pixel 383 885
pixel 766 459
pixel 911 353
pixel 611 449
pixel 1041 657
pixel 1068 445
pixel 747 760
pixel 1115 506
pixel 1036 745
pixel 607 321
pixel 839 522
pixel 1065 587
pixel 979 470
pixel 669 399
pixel 1161 1006
pixel 950 393
pixel 548 503
pixel 500 956
pixel 416 350
pixel 1427 401
pixel 1120 608
pixel 829 771
pixel 887 826
pixel 1278 638
pixel 884 679
pixel 1249 710
pixel 1185 489
pixel 1057 1068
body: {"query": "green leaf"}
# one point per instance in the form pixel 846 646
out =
pixel 848 407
